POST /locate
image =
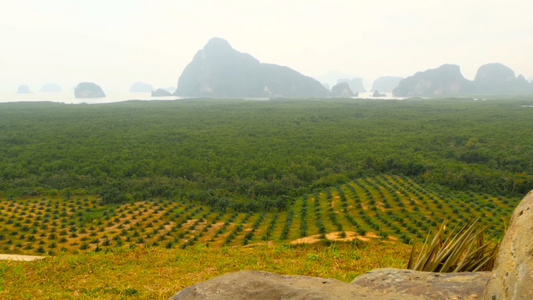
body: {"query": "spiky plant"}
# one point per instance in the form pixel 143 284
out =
pixel 464 251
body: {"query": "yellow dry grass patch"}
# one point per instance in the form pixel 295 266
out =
pixel 336 236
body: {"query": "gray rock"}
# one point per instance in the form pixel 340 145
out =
pixel 512 276
pixel 378 284
pixel 23 89
pixel 427 285
pixel 248 285
pixel 88 90
pixel 342 90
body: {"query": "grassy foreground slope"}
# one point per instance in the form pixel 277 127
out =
pixel 158 273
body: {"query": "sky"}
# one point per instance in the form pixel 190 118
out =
pixel 115 43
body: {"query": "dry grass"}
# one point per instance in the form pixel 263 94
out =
pixel 156 273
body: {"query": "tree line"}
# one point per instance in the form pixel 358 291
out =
pixel 256 155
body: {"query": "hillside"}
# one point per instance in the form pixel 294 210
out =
pixel 389 208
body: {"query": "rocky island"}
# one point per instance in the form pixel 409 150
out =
pixel 88 90
pixel 218 70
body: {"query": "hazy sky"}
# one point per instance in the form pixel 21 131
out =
pixel 117 42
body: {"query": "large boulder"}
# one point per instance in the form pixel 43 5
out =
pixel 88 90
pixel 444 80
pixel 50 88
pixel 379 284
pixel 342 90
pixel 512 276
pixel 498 78
pixel 428 285
pixel 218 70
pixel 23 89
pixel 356 84
pixel 386 83
pixel 141 87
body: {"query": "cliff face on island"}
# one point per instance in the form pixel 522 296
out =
pixel 342 90
pixel 444 80
pixel 493 78
pixel 496 78
pixel 218 70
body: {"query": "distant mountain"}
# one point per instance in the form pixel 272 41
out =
pixel 377 94
pixel 170 89
pixel 141 87
pixel 161 93
pixel 342 90
pixel 50 88
pixel 356 84
pixel 23 89
pixel 499 79
pixel 88 90
pixel 444 80
pixel 218 70
pixel 386 84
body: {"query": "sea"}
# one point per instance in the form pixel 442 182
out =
pixel 68 98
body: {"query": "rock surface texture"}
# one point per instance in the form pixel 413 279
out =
pixel 428 285
pixel 512 276
pixel 378 284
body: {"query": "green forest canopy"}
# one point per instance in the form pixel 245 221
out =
pixel 221 149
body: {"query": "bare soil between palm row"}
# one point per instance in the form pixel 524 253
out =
pixel 20 257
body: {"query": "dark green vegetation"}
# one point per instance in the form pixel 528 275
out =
pixel 226 153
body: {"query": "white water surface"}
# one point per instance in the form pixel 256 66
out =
pixel 68 98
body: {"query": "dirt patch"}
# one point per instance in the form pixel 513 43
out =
pixel 20 257
pixel 336 236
